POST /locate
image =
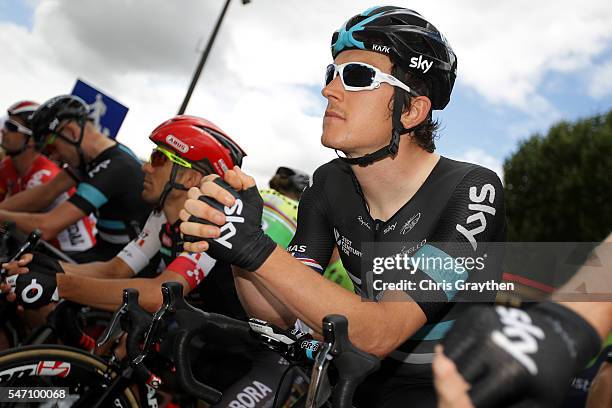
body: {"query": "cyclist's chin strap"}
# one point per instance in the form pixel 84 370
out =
pixel 17 152
pixel 83 165
pixel 168 187
pixel 393 146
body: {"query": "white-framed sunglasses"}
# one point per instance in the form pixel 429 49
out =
pixel 359 76
pixel 13 126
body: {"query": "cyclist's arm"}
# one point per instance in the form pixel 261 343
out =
pixel 106 294
pixel 375 327
pixel 50 223
pixel 260 302
pixel 600 393
pixel 114 268
pixel 39 197
pixel 598 314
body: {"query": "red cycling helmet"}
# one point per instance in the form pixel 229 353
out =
pixel 24 110
pixel 199 142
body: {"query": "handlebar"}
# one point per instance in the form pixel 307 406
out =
pixel 134 320
pixel 193 322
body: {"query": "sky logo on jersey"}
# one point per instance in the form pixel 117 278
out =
pixel 486 193
pixel 420 63
pixel 177 144
pixel 518 336
pixel 100 166
pixel 229 229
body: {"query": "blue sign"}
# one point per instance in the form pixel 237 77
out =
pixel 107 114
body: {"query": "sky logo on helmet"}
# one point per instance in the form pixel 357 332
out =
pixel 177 144
pixel 54 123
pixel 381 48
pixel 420 63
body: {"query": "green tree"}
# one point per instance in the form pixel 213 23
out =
pixel 559 187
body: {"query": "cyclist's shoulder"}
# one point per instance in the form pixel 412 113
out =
pixel 126 154
pixel 331 177
pixel 43 163
pixel 465 171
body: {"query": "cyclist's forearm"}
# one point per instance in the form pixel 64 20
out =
pixel 28 222
pixel 598 281
pixel 598 314
pixel 258 301
pixel 112 269
pixel 33 199
pixel 376 327
pixel 99 293
pixel 107 294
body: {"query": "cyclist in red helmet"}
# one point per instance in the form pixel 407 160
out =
pixel 25 168
pixel 187 148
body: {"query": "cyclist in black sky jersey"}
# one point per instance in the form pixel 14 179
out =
pixel 391 69
pixel 107 175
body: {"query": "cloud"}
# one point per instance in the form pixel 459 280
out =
pixel 261 81
pixel 600 83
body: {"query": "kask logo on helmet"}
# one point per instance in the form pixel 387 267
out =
pixel 177 144
pixel 381 48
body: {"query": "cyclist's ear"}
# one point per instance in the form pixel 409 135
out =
pixel 417 112
pixel 71 130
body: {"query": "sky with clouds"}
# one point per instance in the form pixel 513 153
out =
pixel 522 66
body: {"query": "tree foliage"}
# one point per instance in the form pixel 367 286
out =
pixel 559 186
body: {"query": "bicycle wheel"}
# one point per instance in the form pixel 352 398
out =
pixel 86 376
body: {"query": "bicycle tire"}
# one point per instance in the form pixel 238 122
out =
pixel 85 375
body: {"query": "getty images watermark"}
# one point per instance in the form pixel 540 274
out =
pixel 452 271
pixel 458 272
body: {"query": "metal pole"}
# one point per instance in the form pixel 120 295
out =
pixel 198 71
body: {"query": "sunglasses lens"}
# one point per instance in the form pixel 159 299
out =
pixel 10 126
pixel 329 73
pixel 358 75
pixel 158 158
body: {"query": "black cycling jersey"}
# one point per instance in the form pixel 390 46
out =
pixel 458 208
pixel 111 190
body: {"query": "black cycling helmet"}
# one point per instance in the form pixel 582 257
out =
pixel 49 115
pixel 298 179
pixel 415 46
pixel 409 40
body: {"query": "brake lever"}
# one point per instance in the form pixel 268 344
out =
pixel 29 244
pixel 319 374
pixel 111 330
pixel 151 335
